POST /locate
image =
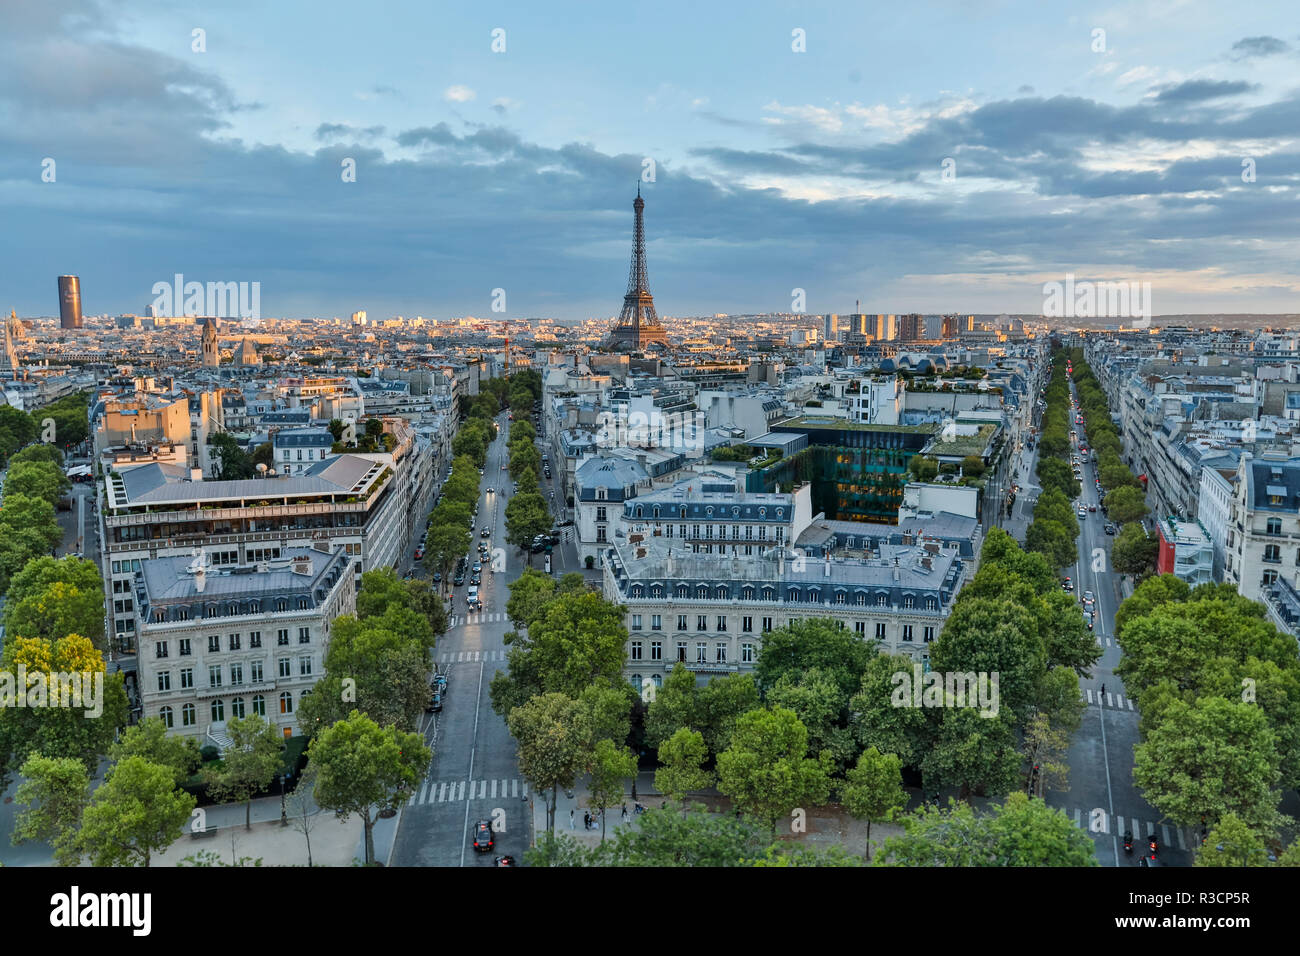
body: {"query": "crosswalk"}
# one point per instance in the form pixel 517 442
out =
pixel 1095 821
pixel 452 791
pixel 1112 701
pixel 472 619
pixel 470 657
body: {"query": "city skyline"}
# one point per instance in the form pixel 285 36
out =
pixel 510 170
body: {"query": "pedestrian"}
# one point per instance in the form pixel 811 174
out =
pixel 625 813
pixel 570 819
pixel 586 820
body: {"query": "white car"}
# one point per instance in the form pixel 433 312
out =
pixel 1083 512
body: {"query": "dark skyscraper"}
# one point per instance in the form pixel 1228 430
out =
pixel 69 302
pixel 637 325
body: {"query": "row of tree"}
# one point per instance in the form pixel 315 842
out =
pixel 1218 688
pixel 450 528
pixel 62 423
pixel 1124 501
pixel 527 513
pixel 28 527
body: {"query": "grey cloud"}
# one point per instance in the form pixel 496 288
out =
pixel 1196 91
pixel 1248 47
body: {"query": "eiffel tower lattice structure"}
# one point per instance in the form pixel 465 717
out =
pixel 637 325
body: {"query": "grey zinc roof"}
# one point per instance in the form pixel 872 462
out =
pixel 610 473
pixel 304 438
pixel 167 581
pixel 160 484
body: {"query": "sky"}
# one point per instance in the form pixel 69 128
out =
pixel 921 157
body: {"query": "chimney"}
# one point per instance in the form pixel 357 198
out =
pixel 828 564
pixel 895 572
pixel 302 565
pixel 196 474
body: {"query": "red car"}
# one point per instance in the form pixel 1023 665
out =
pixel 419 552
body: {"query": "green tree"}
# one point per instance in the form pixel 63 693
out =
pixel 552 749
pixel 723 701
pixel 877 723
pixel 1125 504
pixel 821 707
pixel 55 792
pixel 873 790
pixel 362 767
pixel 37 479
pixel 994 637
pixel 526 518
pixel 675 706
pixel 149 739
pixel 233 462
pixel 682 757
pixel 815 643
pixel 1019 832
pixel 42 453
pixel 611 765
pixel 529 595
pixel 663 837
pixel 973 751
pixel 923 468
pixel 134 814
pixel 249 765
pixel 1232 843
pixel 1134 551
pixel 766 770
pixel 54 597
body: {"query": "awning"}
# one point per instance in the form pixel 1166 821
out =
pixel 1279 490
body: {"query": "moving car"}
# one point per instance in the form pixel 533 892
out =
pixel 1110 528
pixel 483 841
pixel 419 552
pixel 459 579
pixel 485 533
pixel 503 861
pixel 1082 512
pixel 1092 507
pixel 477 567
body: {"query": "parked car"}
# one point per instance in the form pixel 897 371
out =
pixel 419 552
pixel 459 579
pixel 435 701
pixel 477 567
pixel 437 577
pixel 1110 528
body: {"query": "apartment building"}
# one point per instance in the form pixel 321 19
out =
pixel 223 642
pixel 710 612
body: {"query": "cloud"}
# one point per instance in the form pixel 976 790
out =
pixel 1248 47
pixel 458 94
pixel 504 104
pixel 327 131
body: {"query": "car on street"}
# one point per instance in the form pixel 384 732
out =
pixel 437 577
pixel 492 491
pixel 459 579
pixel 483 841
pixel 485 533
pixel 435 701
pixel 503 861
pixel 1082 512
pixel 419 552
pixel 1087 597
pixel 477 567
pixel 1110 528
pixel 1087 619
pixel 1092 507
pixel 476 580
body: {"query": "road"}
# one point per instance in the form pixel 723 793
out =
pixel 1102 797
pixel 474 774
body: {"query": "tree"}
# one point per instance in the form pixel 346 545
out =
pixel 1134 551
pixel 526 518
pixel 248 765
pixel 874 789
pixel 973 466
pixel 149 739
pixel 922 468
pixel 55 792
pixel 135 813
pixel 662 837
pixel 552 750
pixel 42 453
pixel 994 637
pixel 529 595
pixel 766 770
pixel 877 723
pixel 1053 541
pixel 723 701
pixel 370 668
pixel 815 642
pixel 362 767
pixel 675 706
pixel 682 757
pixel 1125 504
pixel 820 706
pixel 1211 757
pixel 233 462
pixel 301 808
pixel 1066 639
pixel 1019 832
pixel 611 765
pixel 1150 594
pixel 82 729
pixel 973 751
pixel 1045 749
pixel 1232 843
pixel 53 597
pixel 37 479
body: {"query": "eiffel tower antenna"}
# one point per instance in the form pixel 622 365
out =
pixel 637 325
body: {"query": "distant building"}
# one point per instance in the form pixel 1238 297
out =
pixel 208 342
pixel 69 302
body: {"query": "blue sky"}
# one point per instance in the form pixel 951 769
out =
pixel 774 169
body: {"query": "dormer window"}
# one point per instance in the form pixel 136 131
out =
pixel 602 493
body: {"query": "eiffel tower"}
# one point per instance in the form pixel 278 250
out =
pixel 637 325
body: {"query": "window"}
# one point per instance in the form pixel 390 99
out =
pixel 907 632
pixel 702 591
pixel 722 623
pixel 792 595
pixel 839 597
pixel 681 622
pixel 701 653
pixel 860 599
pixel 286 703
pixel 1272 553
pixel 932 604
pixel 236 674
pixel 928 634
pixel 282 637
pixel 166 715
pixel 882 600
pixel 1274 526
pixel 656 650
pixel 657 591
pixel 600 535
pixel 254 639
pixel 187 678
pixel 304 635
pixel 160 649
pixel 214 675
pixel 880 631
pixel 304 666
pixel 234 642
pixel 701 622
pixel 636 622
pixel 183 647
pixel 164 680
pixel 259 705
pixel 1270 577
pixel 860 627
pixel 721 593
pixel 767 624
pixel 255 670
pixel 187 715
pixel 636 650
pixel 281 604
pixel 284 667
pixel 721 652
pixel 747 593
pixel 909 602
pixel 218 710
pixel 747 653
pixel 214 643
pixel 237 707
pixel 683 591
pixel 747 625
pixel 656 622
